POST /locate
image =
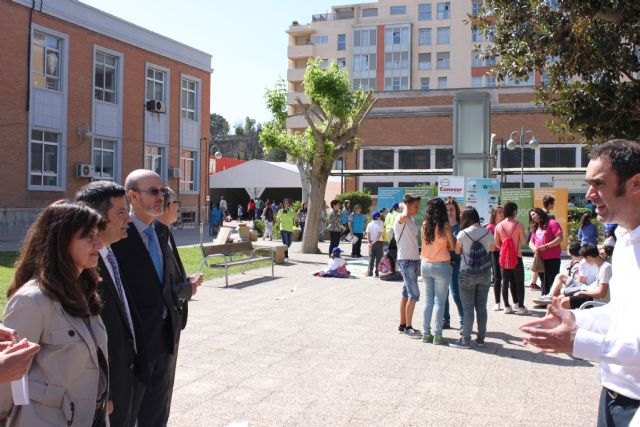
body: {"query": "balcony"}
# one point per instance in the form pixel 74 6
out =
pixel 292 98
pixel 300 51
pixel 297 29
pixel 295 74
pixel 338 14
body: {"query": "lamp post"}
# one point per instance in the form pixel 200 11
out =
pixel 512 144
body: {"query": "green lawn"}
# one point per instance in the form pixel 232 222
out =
pixel 191 259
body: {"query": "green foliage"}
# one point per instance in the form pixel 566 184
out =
pixel 587 49
pixel 357 198
pixel 296 205
pixel 7 271
pixel 259 226
pixel 218 126
pixel 574 214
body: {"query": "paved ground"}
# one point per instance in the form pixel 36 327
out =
pixel 301 350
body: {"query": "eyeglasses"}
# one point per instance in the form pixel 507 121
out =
pixel 153 191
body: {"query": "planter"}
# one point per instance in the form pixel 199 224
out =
pixel 297 235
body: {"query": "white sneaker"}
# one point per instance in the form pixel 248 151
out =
pixel 508 310
pixel 497 307
pixel 522 311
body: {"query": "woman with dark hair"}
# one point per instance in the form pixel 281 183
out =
pixel 497 215
pixel 546 236
pixel 587 232
pixel 437 242
pixel 474 243
pixel 453 214
pixel 53 300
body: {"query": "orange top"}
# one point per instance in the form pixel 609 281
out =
pixel 437 251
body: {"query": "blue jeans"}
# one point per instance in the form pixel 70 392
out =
pixel 615 412
pixel 454 288
pixel 436 277
pixel 409 269
pixel 474 292
pixel 287 238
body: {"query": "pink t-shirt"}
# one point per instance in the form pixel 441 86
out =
pixel 492 230
pixel 506 229
pixel 541 237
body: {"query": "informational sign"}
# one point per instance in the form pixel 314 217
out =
pixel 387 196
pixel 451 186
pixel 523 197
pixel 425 194
pixel 560 209
pixel 482 194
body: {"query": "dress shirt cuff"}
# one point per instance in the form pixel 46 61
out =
pixel 588 345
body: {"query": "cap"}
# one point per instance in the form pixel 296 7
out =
pixel 395 206
pixel 375 215
pixel 336 250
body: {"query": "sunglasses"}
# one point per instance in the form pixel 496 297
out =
pixel 153 191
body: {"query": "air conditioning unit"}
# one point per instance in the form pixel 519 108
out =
pixel 84 171
pixel 175 173
pixel 155 106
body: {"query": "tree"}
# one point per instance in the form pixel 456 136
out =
pixel 588 50
pixel 218 126
pixel 334 116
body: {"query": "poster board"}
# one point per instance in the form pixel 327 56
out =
pixel 560 209
pixel 523 197
pixel 387 196
pixel 451 186
pixel 425 194
pixel 482 194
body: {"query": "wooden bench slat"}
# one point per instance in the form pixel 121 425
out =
pixel 227 250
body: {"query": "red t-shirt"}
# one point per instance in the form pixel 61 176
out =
pixel 541 237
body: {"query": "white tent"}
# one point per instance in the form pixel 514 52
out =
pixel 257 175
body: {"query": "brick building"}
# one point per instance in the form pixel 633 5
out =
pixel 87 95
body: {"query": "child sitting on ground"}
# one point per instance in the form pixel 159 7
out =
pixel 337 266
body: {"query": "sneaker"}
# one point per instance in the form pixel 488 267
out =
pixel 446 325
pixel 480 342
pixel 401 329
pixel 439 341
pixel 522 311
pixel 508 310
pixel 460 343
pixel 497 307
pixel 409 331
pixel 428 339
pixel 534 286
pixel 542 300
pixel 369 274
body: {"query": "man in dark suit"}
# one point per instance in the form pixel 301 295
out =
pixel 128 368
pixel 145 263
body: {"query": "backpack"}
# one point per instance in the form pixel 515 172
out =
pixel 384 266
pixel 479 260
pixel 508 252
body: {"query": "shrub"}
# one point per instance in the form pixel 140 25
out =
pixel 258 225
pixel 357 198
pixel 574 224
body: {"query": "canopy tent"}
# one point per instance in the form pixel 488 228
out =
pixel 257 175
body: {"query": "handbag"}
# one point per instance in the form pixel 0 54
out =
pixel 538 264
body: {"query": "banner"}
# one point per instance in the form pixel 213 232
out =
pixel 387 196
pixel 451 186
pixel 523 197
pixel 425 194
pixel 560 208
pixel 482 194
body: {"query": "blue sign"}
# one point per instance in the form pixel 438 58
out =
pixel 387 196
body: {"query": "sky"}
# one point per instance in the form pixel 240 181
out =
pixel 247 41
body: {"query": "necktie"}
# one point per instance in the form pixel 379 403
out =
pixel 154 253
pixel 111 258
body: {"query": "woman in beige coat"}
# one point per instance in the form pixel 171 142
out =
pixel 53 302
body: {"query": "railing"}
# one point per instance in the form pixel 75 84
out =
pixel 318 17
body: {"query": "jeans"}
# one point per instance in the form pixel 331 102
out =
pixel 615 412
pixel 287 238
pixel 455 292
pixel 356 247
pixel 497 275
pixel 551 269
pixel 513 280
pixel 474 292
pixel 436 277
pixel 409 269
pixel 335 240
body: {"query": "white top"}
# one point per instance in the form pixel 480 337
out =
pixel 335 263
pixel 407 240
pixel 610 334
pixel 474 232
pixel 604 276
pixel 589 271
pixel 374 230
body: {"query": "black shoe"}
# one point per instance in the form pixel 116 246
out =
pixel 401 329
pixel 446 325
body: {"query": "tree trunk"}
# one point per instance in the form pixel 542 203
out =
pixel 316 205
pixel 305 179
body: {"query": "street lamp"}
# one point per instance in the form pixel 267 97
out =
pixel 512 144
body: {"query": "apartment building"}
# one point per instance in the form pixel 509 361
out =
pixel 88 96
pixel 418 55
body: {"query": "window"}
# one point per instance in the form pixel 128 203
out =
pixel 188 169
pixel 398 10
pixel 424 83
pixel 511 158
pixel 424 61
pixel 153 158
pixel 476 7
pixel 424 36
pixel 476 35
pixel 424 12
pixel 364 62
pixel 342 63
pixel 45 155
pixel 377 159
pixel 414 159
pixel 320 39
pixel 396 36
pixel 396 83
pixel 372 187
pixel 491 81
pixel 104 155
pixel 189 99
pixel 155 84
pixel 364 38
pixel 369 12
pixel 442 82
pixel 476 59
pixel 364 84
pixel 558 157
pixel 46 57
pixel 342 41
pixel 396 61
pixel 105 77
pixel 324 62
pixel 444 11
pixel 444 59
pixel 444 35
pixel 339 164
pixel 476 81
pixel 444 158
pixel 490 34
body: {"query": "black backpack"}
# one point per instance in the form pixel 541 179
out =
pixel 479 260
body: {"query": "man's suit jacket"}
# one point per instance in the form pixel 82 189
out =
pixel 179 282
pixel 128 370
pixel 150 295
